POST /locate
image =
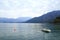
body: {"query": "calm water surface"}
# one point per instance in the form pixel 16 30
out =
pixel 28 31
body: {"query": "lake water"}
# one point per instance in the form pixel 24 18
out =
pixel 29 31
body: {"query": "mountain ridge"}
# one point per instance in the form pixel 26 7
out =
pixel 46 18
pixel 12 20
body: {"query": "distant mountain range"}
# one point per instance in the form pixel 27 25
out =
pixel 46 18
pixel 11 20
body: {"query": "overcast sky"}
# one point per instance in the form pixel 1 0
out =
pixel 27 8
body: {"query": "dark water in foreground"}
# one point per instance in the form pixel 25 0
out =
pixel 28 31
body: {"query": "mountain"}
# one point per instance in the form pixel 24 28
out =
pixel 11 20
pixel 46 18
pixel 6 20
pixel 22 19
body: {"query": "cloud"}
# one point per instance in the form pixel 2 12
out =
pixel 27 8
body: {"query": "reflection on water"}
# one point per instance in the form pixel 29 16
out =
pixel 28 31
